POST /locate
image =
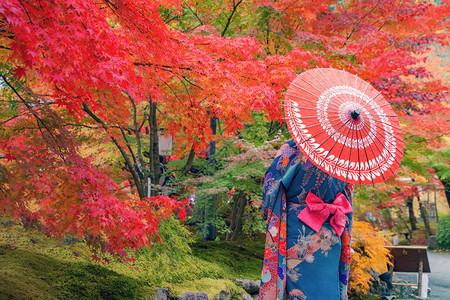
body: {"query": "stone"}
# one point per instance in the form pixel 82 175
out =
pixel 223 295
pixel 194 296
pixel 250 286
pixel 246 296
pixel 163 294
pixel 432 242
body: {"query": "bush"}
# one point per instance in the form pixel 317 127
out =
pixel 443 232
pixel 369 258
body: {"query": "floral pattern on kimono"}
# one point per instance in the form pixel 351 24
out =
pixel 280 261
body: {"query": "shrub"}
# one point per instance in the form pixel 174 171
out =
pixel 443 232
pixel 369 258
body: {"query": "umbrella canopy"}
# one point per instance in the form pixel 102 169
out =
pixel 344 126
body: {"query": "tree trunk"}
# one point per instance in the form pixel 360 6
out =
pixel 412 217
pixel 236 216
pixel 424 216
pixel 190 160
pixel 210 230
pixel 155 172
pixel 446 184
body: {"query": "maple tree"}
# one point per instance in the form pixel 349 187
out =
pixel 82 79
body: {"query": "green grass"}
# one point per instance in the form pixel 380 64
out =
pixel 33 266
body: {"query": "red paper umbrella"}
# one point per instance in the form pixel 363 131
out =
pixel 344 126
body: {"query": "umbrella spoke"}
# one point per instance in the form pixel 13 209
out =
pixel 312 75
pixel 335 142
pixel 384 130
pixel 367 158
pixel 379 121
pixel 356 84
pixel 359 159
pixel 380 152
pixel 310 108
pixel 387 150
pixel 326 138
pixel 295 118
pixel 371 99
pixel 299 87
pixel 381 115
pixel 364 93
pixel 387 104
pixel 314 125
pixel 350 154
pixel 343 146
pixel 336 99
pixel 315 102
pixel 337 80
pixel 309 83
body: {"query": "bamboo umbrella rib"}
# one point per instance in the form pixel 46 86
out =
pixel 385 123
pixel 379 106
pixel 314 125
pixel 387 150
pixel 356 84
pixel 323 75
pixel 315 102
pixel 299 87
pixel 293 118
pixel 367 157
pixel 335 101
pixel 381 128
pixel 380 115
pixel 337 80
pixel 371 99
pixel 311 73
pixel 310 108
pixel 364 93
pixel 326 138
pixel 343 146
pixel 335 142
pixel 349 156
pixel 359 160
pixel 309 83
pixel 379 151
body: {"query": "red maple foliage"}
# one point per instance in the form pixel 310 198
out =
pixel 74 65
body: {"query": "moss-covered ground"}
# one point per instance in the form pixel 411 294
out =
pixel 33 266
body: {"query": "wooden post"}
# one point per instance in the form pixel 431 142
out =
pixel 419 281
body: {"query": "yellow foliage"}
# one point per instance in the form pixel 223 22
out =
pixel 369 257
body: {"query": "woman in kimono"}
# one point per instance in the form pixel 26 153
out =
pixel 309 220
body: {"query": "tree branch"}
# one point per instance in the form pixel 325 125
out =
pixel 235 6
pixel 359 22
pixel 128 162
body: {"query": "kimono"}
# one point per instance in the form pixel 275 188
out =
pixel 309 221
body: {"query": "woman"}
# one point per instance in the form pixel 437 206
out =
pixel 309 219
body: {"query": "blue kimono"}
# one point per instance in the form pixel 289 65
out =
pixel 309 219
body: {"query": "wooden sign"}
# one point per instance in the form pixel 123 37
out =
pixel 409 258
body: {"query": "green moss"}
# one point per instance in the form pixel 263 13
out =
pixel 211 287
pixel 241 259
pixel 27 274
pixel 33 266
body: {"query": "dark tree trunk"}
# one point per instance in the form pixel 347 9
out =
pixel 412 217
pixel 240 201
pixel 190 160
pixel 446 183
pixel 210 230
pixel 155 172
pixel 424 216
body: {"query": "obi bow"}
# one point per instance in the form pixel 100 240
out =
pixel 315 214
